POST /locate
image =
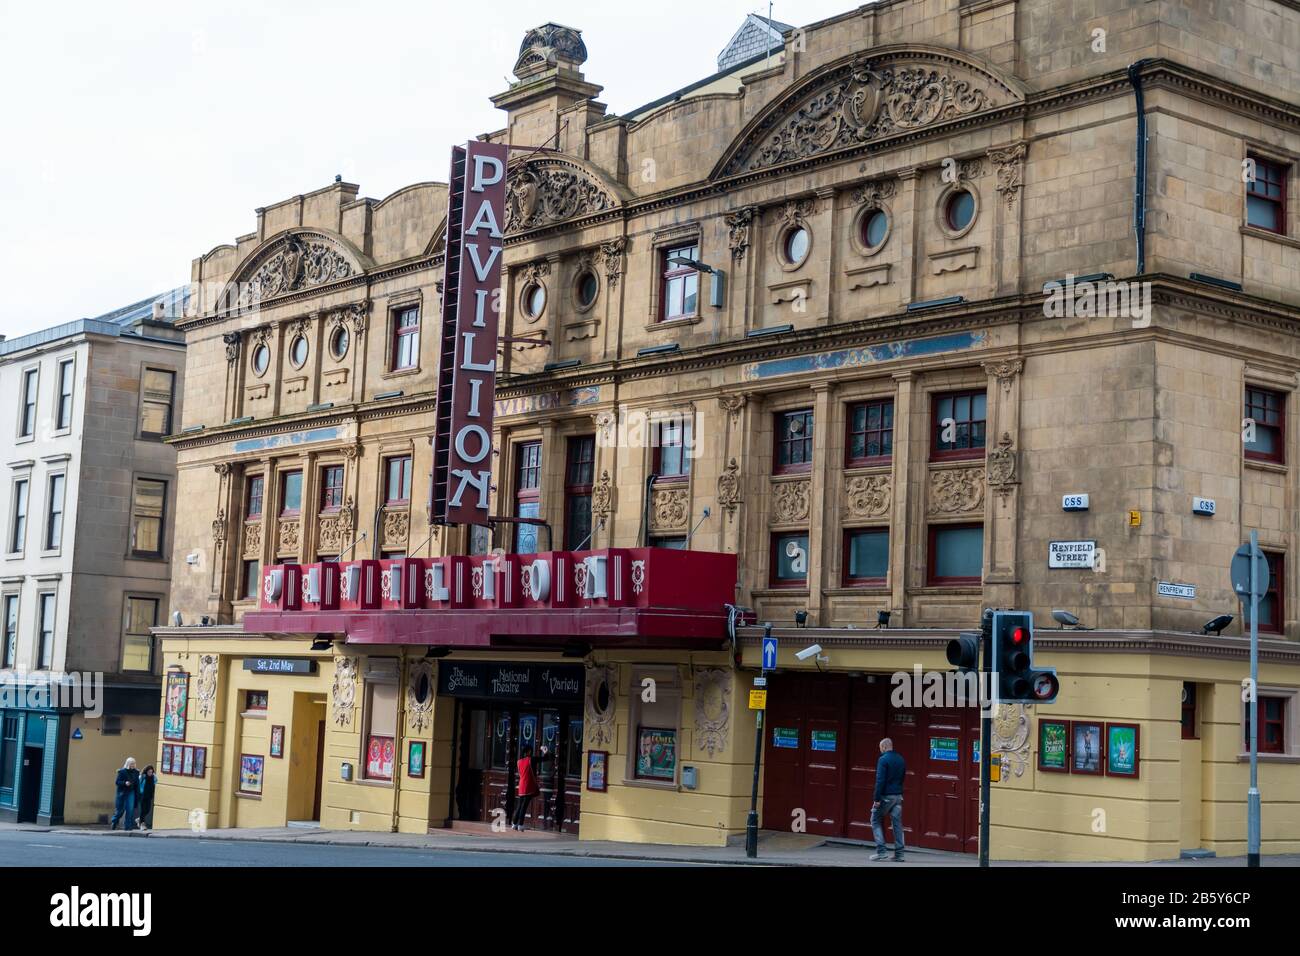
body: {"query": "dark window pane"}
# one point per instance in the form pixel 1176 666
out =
pixel 868 555
pixel 959 552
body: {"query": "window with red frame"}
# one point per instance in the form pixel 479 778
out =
pixel 792 441
pixel 1266 410
pixel 866 557
pixel 528 494
pixel 253 499
pixel 578 472
pixel 870 438
pixel 789 560
pixel 1272 607
pixel 397 487
pixel 1272 725
pixel 1266 196
pixel 291 493
pixel 406 338
pixel 955 557
pixel 672 459
pixel 331 488
pixel 959 423
pixel 679 285
pixel 1189 710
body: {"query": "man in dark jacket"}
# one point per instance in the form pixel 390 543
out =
pixel 888 800
pixel 128 786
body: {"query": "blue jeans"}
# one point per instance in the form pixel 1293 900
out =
pixel 125 807
pixel 891 806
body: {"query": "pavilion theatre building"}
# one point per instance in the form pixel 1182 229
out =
pixel 860 323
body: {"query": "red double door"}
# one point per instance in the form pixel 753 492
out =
pixel 822 737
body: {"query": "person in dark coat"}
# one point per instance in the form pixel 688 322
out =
pixel 128 786
pixel 148 781
pixel 887 801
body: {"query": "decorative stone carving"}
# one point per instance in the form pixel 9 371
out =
pixel 956 490
pixel 205 686
pixel 670 509
pixel 729 487
pixel 1005 372
pixel 1011 737
pixel 739 227
pixel 419 713
pixel 795 212
pixel 969 169
pixel 219 529
pixel 868 496
pixel 262 335
pixel 712 708
pixel 1009 163
pixel 222 468
pixel 343 695
pixel 1002 466
pixel 604 422
pixel 863 101
pixel 397 525
pixel 252 539
pixel 872 194
pixel 611 253
pixel 287 537
pixel 334 532
pixel 602 497
pixel 232 340
pixel 732 405
pixel 600 720
pixel 542 192
pixel 300 326
pixel 790 501
pixel 546 46
pixel 299 261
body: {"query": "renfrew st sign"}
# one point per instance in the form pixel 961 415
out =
pixel 468 341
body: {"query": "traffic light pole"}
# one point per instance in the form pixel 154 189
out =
pixel 986 741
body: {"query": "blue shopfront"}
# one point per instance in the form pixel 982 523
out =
pixel 33 765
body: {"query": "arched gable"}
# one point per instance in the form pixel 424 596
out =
pixel 290 261
pixel 546 188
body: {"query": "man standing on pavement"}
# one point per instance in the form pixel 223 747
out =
pixel 888 800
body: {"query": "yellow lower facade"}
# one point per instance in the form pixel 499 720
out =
pixel 323 711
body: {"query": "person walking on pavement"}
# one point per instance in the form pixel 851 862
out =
pixel 128 785
pixel 891 770
pixel 527 789
pixel 147 784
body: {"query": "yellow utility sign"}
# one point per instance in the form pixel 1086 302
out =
pixel 1134 519
pixel 758 700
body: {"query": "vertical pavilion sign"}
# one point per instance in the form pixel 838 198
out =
pixel 467 346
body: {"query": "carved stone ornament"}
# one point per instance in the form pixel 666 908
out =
pixel 299 261
pixel 732 405
pixel 545 46
pixel 252 539
pixel 288 536
pixel 600 721
pixel 602 497
pixel 795 212
pixel 670 509
pixel 1009 163
pixel 864 100
pixel 969 169
pixel 604 422
pixel 739 227
pixel 611 253
pixel 335 530
pixel 729 487
pixel 205 687
pixel 867 496
pixel 232 340
pixel 419 713
pixel 1011 737
pixel 874 193
pixel 1005 372
pixel 712 708
pixel 1002 465
pixel 397 525
pixel 543 192
pixel 219 529
pixel 343 695
pixel 222 468
pixel 956 490
pixel 790 501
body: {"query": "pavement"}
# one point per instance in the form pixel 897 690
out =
pixel 774 848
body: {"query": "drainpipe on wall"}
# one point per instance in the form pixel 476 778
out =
pixel 1140 173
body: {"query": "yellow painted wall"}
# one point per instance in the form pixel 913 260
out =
pixel 93 762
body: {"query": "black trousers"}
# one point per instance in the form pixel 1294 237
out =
pixel 522 804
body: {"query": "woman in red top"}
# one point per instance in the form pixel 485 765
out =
pixel 527 789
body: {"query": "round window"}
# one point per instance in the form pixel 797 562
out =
pixel 602 697
pixel 339 342
pixel 875 227
pixel 261 359
pixel 796 245
pixel 535 300
pixel 588 288
pixel 422 689
pixel 298 352
pixel 960 210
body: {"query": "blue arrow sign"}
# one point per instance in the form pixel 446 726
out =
pixel 769 653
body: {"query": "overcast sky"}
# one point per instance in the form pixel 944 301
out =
pixel 136 135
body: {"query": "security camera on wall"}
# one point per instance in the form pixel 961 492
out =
pixel 809 652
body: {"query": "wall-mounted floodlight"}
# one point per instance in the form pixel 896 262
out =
pixel 717 284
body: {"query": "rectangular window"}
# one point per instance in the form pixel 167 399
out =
pixel 1265 415
pixel 18 526
pixel 672 457
pixel 63 417
pixel 8 753
pixel 157 392
pixel 866 556
pixel 528 488
pixel 793 441
pixel 251 581
pixel 1189 710
pixel 148 503
pixel 331 488
pixel 137 642
pixel 654 728
pixel 578 472
pixel 291 493
pixel 1266 196
pixel 789 560
pixel 680 284
pixel 959 422
pixel 54 512
pixel 406 338
pixel 956 555
pixel 1272 610
pixel 9 653
pixel 45 646
pixel 397 489
pixel 381 730
pixel 675 542
pixel 1272 725
pixel 870 438
pixel 256 701
pixel 253 498
pixel 27 416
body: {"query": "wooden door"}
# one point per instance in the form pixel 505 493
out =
pixel 946 770
pixel 571 754
pixel 826 702
pixel 498 777
pixel 868 709
pixel 785 740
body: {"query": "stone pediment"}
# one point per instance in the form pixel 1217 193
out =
pixel 859 101
pixel 291 262
pixel 548 190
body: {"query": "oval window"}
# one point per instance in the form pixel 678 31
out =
pixel 298 352
pixel 422 689
pixel 339 342
pixel 602 697
pixel 534 300
pixel 875 227
pixel 960 210
pixel 588 288
pixel 261 359
pixel 796 245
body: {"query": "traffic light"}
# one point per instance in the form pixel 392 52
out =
pixel 1018 680
pixel 964 651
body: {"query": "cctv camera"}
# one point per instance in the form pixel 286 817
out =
pixel 808 652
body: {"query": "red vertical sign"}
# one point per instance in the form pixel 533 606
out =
pixel 462 472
